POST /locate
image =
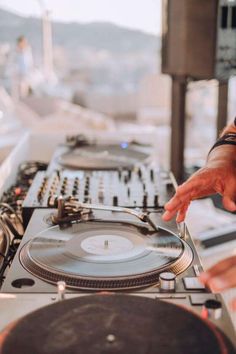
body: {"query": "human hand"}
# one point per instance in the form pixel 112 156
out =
pixel 216 177
pixel 221 276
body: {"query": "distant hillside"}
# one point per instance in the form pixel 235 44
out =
pixel 75 35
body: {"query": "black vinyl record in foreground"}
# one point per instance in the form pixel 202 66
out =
pixel 105 255
pixel 113 324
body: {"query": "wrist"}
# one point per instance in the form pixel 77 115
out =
pixel 226 139
pixel 222 155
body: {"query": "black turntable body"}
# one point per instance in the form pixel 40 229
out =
pixel 98 271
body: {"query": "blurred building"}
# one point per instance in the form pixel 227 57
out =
pixel 154 100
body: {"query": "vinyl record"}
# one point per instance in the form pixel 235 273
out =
pixel 102 157
pixel 105 255
pixel 113 324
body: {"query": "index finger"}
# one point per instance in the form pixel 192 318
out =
pixel 182 196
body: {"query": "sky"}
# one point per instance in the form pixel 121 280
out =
pixel 138 14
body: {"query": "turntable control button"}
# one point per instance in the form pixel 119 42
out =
pixel 192 283
pixel 167 281
pixel 115 200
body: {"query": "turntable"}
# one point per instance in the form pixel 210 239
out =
pixel 94 247
pixel 80 154
pixel 111 255
pixel 114 324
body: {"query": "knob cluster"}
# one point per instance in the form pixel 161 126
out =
pixel 137 187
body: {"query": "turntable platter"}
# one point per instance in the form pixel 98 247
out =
pixel 104 255
pixel 102 157
pixel 113 324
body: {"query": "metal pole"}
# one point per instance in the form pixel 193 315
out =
pixel 222 114
pixel 179 85
pixel 47 40
pixel 47 44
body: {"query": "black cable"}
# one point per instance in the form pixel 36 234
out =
pixel 11 206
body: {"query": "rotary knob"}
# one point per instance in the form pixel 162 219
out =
pixel 213 309
pixel 167 281
pixel 74 191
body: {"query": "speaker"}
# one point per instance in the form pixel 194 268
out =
pixel 199 38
